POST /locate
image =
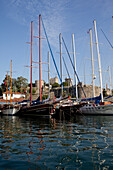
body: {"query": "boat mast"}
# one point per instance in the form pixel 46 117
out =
pixel 91 45
pixel 31 57
pixel 7 88
pixel 61 63
pixel 48 75
pixel 74 59
pixel 11 84
pixel 40 57
pixel 99 62
pixel 84 72
pixel 110 79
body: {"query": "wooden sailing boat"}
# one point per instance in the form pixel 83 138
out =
pixel 9 109
pixel 102 107
pixel 39 107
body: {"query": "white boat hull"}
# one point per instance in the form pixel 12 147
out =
pixel 97 109
pixel 10 111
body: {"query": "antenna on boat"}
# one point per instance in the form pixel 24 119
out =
pixel 61 62
pixel 40 57
pixel 92 63
pixel 7 88
pixel 31 57
pixel 99 62
pixel 74 59
pixel 11 84
pixel 109 69
pixel 49 75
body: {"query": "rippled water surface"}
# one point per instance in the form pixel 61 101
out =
pixel 44 143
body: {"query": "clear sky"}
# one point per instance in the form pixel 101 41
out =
pixel 59 16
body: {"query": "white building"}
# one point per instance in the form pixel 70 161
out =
pixel 14 95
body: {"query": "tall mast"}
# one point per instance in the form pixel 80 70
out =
pixel 73 42
pixel 84 72
pixel 48 75
pixel 40 57
pixel 110 79
pixel 99 63
pixel 31 56
pixel 11 84
pixel 7 88
pixel 91 45
pixel 61 62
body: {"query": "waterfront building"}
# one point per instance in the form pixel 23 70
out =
pixel 14 95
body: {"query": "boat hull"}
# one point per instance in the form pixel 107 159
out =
pixel 97 110
pixel 37 110
pixel 10 112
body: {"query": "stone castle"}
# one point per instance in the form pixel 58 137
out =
pixel 70 90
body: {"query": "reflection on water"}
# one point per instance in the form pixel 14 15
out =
pixel 44 143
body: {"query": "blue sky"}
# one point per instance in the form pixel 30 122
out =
pixel 59 16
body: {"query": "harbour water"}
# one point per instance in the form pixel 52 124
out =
pixel 81 142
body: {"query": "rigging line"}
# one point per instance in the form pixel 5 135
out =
pixel 111 23
pixel 68 73
pixel 52 53
pixel 106 38
pixel 73 66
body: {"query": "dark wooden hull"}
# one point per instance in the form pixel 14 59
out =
pixel 66 111
pixel 45 109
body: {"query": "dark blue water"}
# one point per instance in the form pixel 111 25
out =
pixel 44 143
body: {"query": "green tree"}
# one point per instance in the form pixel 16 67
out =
pixel 18 84
pixel 55 85
pixel 5 82
pixel 65 83
pixel 21 83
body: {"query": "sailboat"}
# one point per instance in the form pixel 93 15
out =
pixel 37 107
pixel 100 107
pixel 9 108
